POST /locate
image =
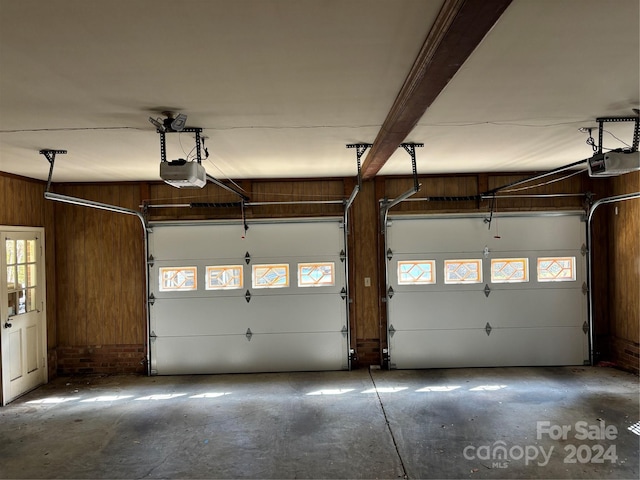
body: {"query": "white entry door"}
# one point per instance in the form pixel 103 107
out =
pixel 270 300
pixel 22 312
pixel 462 294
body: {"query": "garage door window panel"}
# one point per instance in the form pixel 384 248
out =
pixel 270 276
pixel 316 274
pixel 416 272
pixel 462 272
pixel 509 270
pixel 556 269
pixel 224 277
pixel 177 279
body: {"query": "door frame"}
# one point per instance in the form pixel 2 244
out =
pixel 40 232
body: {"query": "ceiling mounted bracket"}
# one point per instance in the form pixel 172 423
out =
pixel 360 149
pixel 636 129
pixel 51 158
pixel 411 150
pixel 386 205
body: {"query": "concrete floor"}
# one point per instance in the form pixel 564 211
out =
pixel 360 424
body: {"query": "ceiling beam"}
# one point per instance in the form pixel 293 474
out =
pixel 457 31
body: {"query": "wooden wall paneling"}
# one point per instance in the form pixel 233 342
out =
pixel 625 241
pixel 109 290
pixel 96 287
pixel 64 280
pixel 132 265
pixel 78 241
pixel 48 209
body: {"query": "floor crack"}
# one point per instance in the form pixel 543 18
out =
pixel 386 419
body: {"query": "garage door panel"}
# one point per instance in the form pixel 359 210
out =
pixel 425 308
pixel 236 354
pixel 504 347
pixel 467 233
pixel 200 330
pixel 436 311
pixel 501 309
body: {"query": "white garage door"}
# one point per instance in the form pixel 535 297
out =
pixel 272 301
pixel 460 297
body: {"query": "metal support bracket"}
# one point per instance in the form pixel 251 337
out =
pixel 487 328
pixel 636 130
pixel 392 331
pixel 386 205
pixel 247 258
pixel 343 293
pixel 487 290
pixel 247 296
pixel 343 255
pixel 411 150
pixel 152 299
pixel 51 158
pixel 163 142
pixel 390 292
pixel 585 327
pixel 389 254
pixel 344 331
pixel 249 334
pixel 150 261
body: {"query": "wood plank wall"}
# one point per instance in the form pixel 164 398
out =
pixel 623 220
pixel 98 318
pixel 100 271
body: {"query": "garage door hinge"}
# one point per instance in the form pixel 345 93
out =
pixel 344 331
pixel 391 330
pixel 584 250
pixel 585 289
pixel 152 299
pixel 487 291
pixel 153 336
pixel 247 258
pixel 390 292
pixel 585 327
pixel 389 254
pixel 487 328
pixel 343 256
pixel 249 334
pixel 247 296
pixel 150 261
pixel 343 293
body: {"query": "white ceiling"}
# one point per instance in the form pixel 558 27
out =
pixel 280 86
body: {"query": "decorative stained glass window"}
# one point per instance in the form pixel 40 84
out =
pixel 224 277
pixel 316 274
pixel 509 270
pixel 270 276
pixel 416 272
pixel 556 269
pixel 174 279
pixel 463 271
